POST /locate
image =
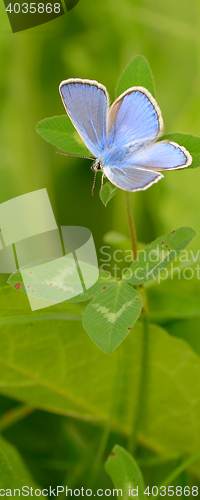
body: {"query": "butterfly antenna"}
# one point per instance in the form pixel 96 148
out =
pixel 95 174
pixel 75 156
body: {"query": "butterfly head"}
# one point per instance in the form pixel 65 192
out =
pixel 97 165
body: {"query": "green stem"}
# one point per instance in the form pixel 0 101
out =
pixel 12 416
pixel 182 467
pixel 140 402
pixel 132 443
pixel 131 223
pixel 15 256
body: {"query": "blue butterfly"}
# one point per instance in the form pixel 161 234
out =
pixel 122 138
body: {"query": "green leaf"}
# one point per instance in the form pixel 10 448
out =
pixel 188 330
pixel 121 241
pixel 115 238
pixel 125 473
pixel 14 473
pixel 104 281
pixel 107 192
pixel 55 280
pixel 137 73
pixel 111 314
pixel 15 308
pixel 38 280
pixel 49 362
pixel 157 256
pixel 171 300
pixel 60 132
pixel 16 281
pixel 190 142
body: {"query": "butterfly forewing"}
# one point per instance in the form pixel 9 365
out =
pixel 86 103
pixel 133 117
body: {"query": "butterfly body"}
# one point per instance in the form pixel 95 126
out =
pixel 123 137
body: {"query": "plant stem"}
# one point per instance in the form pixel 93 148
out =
pixel 12 416
pixel 140 402
pixel 132 443
pixel 182 467
pixel 131 223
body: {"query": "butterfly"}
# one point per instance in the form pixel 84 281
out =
pixel 122 138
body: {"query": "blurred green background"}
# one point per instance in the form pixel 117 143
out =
pixel 96 40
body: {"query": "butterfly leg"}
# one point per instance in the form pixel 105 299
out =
pixel 103 175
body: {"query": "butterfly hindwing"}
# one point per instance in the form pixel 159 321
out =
pixel 161 156
pixel 86 103
pixel 130 178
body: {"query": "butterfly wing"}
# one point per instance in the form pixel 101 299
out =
pixel 134 118
pixel 132 159
pixel 130 178
pixel 86 104
pixel 161 156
